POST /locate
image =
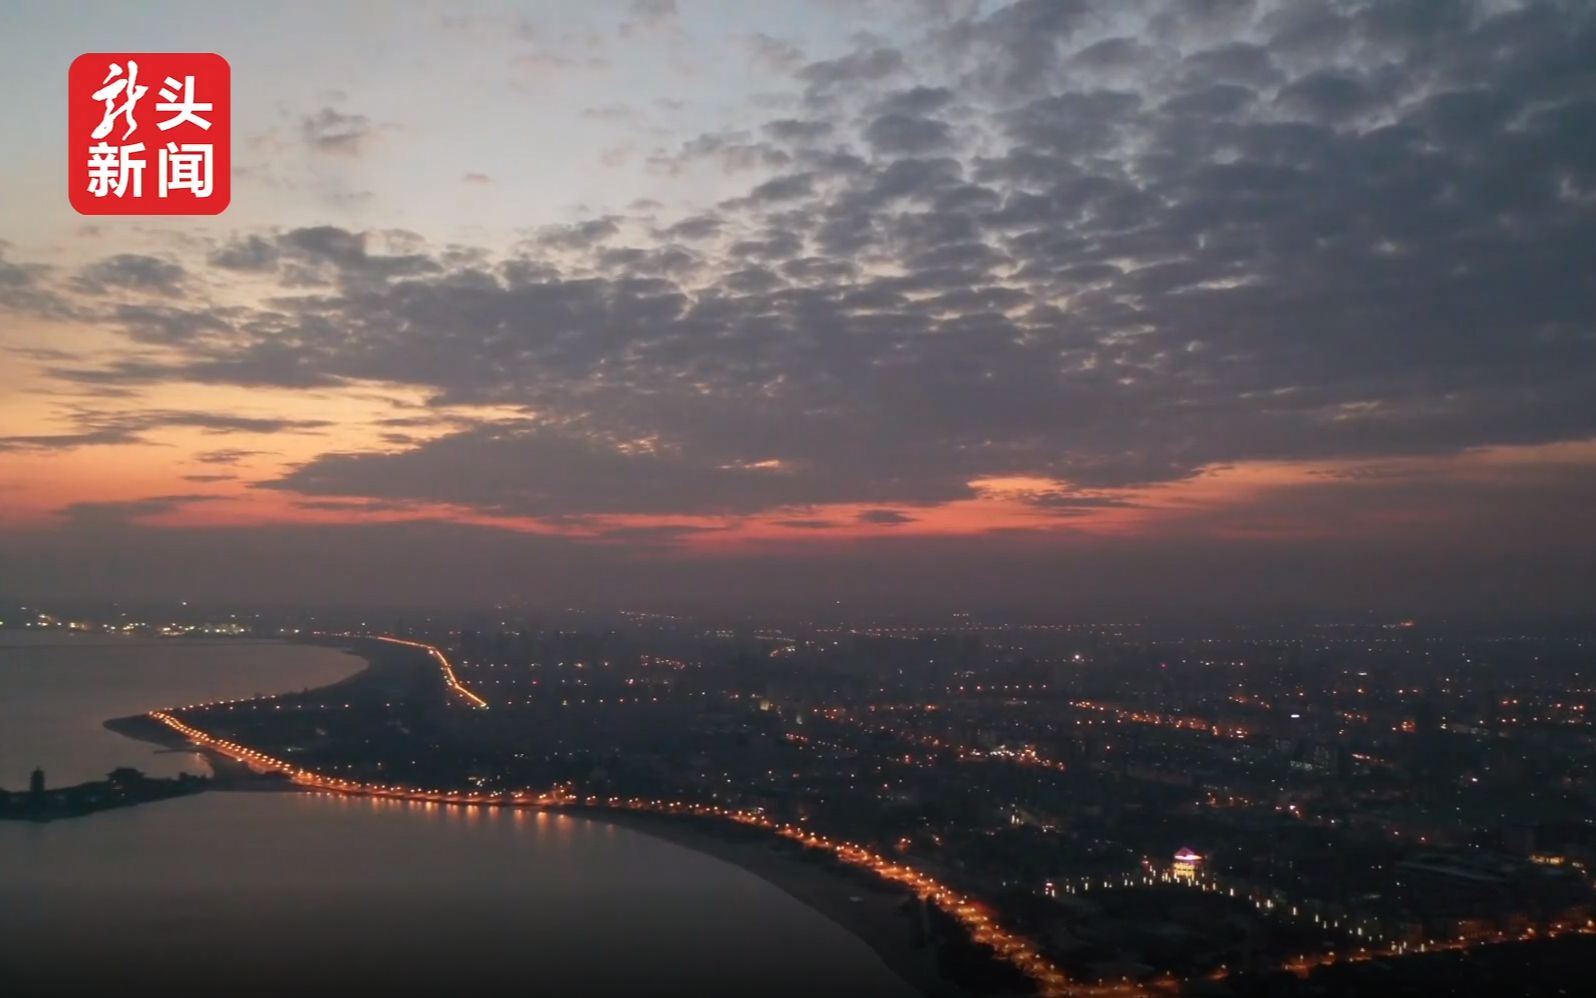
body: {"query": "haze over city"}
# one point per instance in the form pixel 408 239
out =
pixel 1060 306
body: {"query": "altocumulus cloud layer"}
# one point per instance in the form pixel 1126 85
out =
pixel 1103 244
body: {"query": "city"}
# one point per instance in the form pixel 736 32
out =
pixel 1093 809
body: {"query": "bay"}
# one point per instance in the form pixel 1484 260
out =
pixel 274 893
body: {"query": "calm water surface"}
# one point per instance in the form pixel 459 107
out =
pixel 57 690
pixel 267 893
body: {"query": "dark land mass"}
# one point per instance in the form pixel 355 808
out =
pixel 226 773
pixel 1541 968
pixel 391 674
pixel 122 788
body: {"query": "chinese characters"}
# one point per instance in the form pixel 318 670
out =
pixel 133 154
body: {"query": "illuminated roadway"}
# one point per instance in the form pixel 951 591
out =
pixel 977 918
pixel 974 916
pixel 455 686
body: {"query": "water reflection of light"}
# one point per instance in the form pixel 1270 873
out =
pixel 1016 949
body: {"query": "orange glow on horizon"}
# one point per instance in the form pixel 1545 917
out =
pixel 199 476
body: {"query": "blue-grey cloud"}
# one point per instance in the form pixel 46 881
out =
pixel 1024 245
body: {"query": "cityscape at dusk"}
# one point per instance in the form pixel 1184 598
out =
pixel 937 498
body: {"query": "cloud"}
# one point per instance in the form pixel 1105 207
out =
pixel 1327 96
pixel 774 52
pixel 696 227
pixel 735 152
pixel 919 100
pixel 97 429
pixel 355 505
pixel 118 513
pixel 798 131
pixel 861 67
pixel 648 15
pixel 995 253
pixel 332 131
pixel 1017 48
pixel 23 289
pixel 885 517
pixel 542 471
pixel 908 135
pixel 1067 504
pixel 131 272
pixel 253 252
pixel 581 235
pixel 1516 561
pixel 786 188
pixel 227 456
pixel 67 441
pixel 320 254
pixel 1113 54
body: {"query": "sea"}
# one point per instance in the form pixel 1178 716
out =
pixel 246 893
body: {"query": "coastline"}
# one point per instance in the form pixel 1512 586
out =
pixel 226 773
pixel 864 906
pixel 875 919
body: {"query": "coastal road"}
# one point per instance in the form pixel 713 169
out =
pixel 450 679
pixel 976 918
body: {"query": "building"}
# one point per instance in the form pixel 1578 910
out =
pixel 1187 863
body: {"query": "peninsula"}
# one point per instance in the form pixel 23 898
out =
pixel 122 787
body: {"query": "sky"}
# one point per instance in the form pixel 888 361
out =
pixel 1066 307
